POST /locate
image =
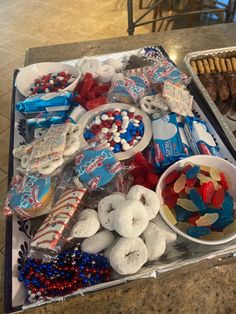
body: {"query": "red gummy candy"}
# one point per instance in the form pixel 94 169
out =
pixel 95 103
pixel 168 191
pixel 101 89
pixel 140 161
pixel 91 95
pixel 152 178
pixel 223 181
pixel 79 86
pixel 207 192
pixel 139 180
pixel 171 201
pixel 88 82
pixel 192 219
pixel 171 177
pixel 191 182
pixel 200 189
pixel 218 198
pixel 186 168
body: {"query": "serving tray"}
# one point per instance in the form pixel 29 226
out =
pixel 179 253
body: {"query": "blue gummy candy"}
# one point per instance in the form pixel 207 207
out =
pixel 128 137
pixel 197 199
pixel 198 231
pixel 117 148
pixel 192 172
pixel 182 214
pixel 220 224
pixel 228 203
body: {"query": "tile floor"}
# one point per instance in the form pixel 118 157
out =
pixel 31 23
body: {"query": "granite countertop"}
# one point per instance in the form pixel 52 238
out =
pixel 203 288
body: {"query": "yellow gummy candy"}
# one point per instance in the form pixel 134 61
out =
pixel 207 219
pixel 230 228
pixel 180 183
pixel 183 226
pixel 214 235
pixel 205 168
pixel 215 174
pixel 187 204
pixel 204 179
pixel 169 215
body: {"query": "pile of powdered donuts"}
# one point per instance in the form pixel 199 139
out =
pixel 87 164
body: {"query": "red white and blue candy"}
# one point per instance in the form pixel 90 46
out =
pixel 70 271
pixel 122 129
pixel 51 82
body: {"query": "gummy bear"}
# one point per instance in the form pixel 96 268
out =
pixel 218 198
pixel 196 232
pixel 171 177
pixel 207 192
pixel 182 214
pixel 197 199
pixel 192 173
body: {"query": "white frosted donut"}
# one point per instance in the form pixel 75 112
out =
pixel 117 77
pixel 107 252
pixel 75 129
pixel 116 64
pixel 72 145
pixel 106 209
pixel 87 224
pixel 40 132
pixel 147 197
pixel 49 168
pixel 130 218
pixel 25 161
pixel 98 242
pixel 169 234
pixel 128 255
pixel 89 65
pixel 154 240
pixel 150 104
pixel 105 73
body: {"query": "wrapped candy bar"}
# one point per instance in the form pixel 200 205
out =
pixel 168 146
pixel 50 237
pixel 199 138
pixel 46 103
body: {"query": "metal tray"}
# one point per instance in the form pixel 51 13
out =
pixel 180 253
pixel 224 122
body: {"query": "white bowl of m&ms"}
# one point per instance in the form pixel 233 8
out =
pixel 126 129
pixel 198 199
pixel 46 77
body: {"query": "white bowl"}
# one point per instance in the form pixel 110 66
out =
pixel 204 160
pixel 27 75
pixel 89 116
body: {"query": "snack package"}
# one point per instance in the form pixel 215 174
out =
pixel 178 99
pixel 96 166
pixel 130 89
pixel 199 138
pixel 46 102
pixel 186 145
pixel 51 236
pixel 29 196
pixel 168 146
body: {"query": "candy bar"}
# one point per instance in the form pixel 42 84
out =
pixel 50 237
pixel 167 142
pixel 199 138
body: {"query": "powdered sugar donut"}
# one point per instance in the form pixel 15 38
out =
pixel 105 73
pixel 107 252
pixel 98 242
pixel 154 240
pixel 130 218
pixel 89 65
pixel 87 224
pixel 148 198
pixel 106 208
pixel 116 64
pixel 169 234
pixel 128 255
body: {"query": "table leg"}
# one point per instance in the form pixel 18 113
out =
pixel 130 17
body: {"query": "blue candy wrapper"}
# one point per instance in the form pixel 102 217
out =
pixel 186 146
pixel 199 138
pixel 96 167
pixel 46 102
pixel 168 146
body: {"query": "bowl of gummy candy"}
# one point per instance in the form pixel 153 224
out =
pixel 46 77
pixel 126 129
pixel 198 199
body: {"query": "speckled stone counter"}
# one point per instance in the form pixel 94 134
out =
pixel 195 289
